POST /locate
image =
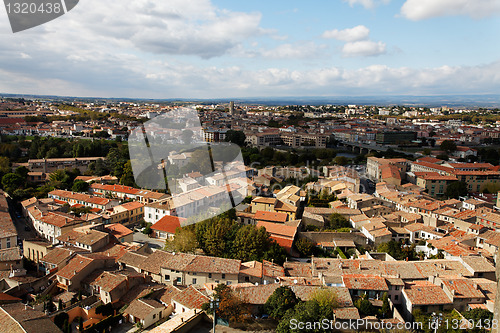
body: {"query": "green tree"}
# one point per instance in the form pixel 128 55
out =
pixel 326 298
pixel 385 311
pixel 337 221
pixel 147 230
pixel 365 307
pixel 282 299
pixel 456 189
pixel 477 316
pixel 127 177
pixel 304 312
pixel 184 241
pixel 341 160
pixel 80 186
pixel 305 247
pixel 231 306
pixel 12 181
pixel 448 146
pixel 236 137
pixel 4 165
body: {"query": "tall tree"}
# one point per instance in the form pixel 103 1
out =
pixel 282 299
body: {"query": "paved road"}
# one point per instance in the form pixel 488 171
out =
pixel 20 224
pixel 139 237
pixel 365 186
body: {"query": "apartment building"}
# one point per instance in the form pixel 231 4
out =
pixel 52 164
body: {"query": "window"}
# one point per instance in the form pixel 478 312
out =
pixel 223 276
pixel 179 279
pixel 396 297
pixel 167 277
pixel 154 316
pixel 209 275
pixel 194 281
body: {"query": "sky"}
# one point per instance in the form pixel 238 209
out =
pixel 236 49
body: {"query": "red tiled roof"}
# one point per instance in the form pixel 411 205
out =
pixel 364 282
pixel 118 230
pixel 132 205
pixel 74 267
pixel 168 224
pixel 425 293
pixel 270 216
pixel 434 166
pixel 191 298
pixel 278 229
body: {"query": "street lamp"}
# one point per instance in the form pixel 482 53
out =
pixel 214 305
pixel 437 319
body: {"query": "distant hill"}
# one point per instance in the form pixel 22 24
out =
pixel 454 101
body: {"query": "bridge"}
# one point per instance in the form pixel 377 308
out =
pixel 363 148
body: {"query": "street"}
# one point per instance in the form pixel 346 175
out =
pixel 139 237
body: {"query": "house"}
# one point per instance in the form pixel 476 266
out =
pixel 145 312
pixel 360 284
pixel 8 232
pixel 19 318
pixel 120 232
pixel 187 269
pixel 53 224
pixel 82 199
pixel 127 213
pixel 292 195
pixel 155 211
pixel 166 226
pixel 460 290
pixel 419 231
pixel 433 182
pixel 189 299
pixel 89 239
pixel 264 272
pixel 426 296
pixel 256 295
pixel 183 268
pixel 35 250
pixel 274 217
pixel 112 286
pixel 376 232
pixel 284 235
pixel 10 259
pixel 53 164
pixel 70 276
pixel 55 259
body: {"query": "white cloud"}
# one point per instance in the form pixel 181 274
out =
pixel 359 32
pixel 423 9
pixel 368 4
pixel 128 49
pixel 180 27
pixel 357 42
pixel 363 48
pixel 301 50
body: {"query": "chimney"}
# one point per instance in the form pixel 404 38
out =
pixel 453 292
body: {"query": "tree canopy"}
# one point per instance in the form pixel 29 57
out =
pixel 282 299
pixel 456 189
